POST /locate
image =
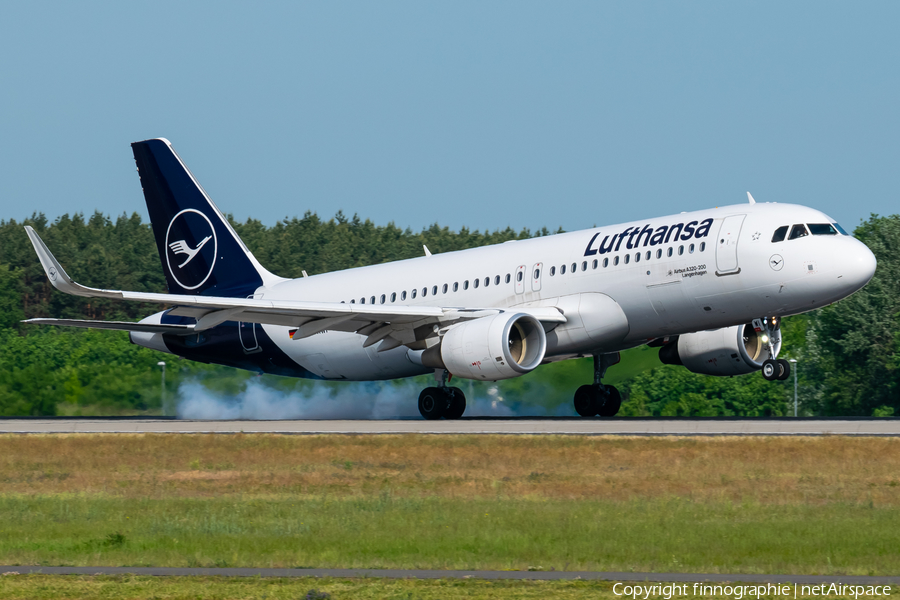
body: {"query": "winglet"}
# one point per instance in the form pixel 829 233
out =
pixel 750 198
pixel 58 276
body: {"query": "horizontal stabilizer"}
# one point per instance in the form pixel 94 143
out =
pixel 116 325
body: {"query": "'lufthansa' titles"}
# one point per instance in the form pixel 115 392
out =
pixel 663 234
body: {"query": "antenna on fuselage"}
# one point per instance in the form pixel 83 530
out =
pixel 750 198
pixel 427 251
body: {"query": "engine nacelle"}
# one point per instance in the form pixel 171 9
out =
pixel 490 348
pixel 729 351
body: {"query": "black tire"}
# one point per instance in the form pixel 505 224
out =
pixel 457 404
pixel 771 369
pixel 586 401
pixel 786 369
pixel 612 403
pixel 432 403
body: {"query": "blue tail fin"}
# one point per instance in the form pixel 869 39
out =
pixel 200 251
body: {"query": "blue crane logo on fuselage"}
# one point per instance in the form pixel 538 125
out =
pixel 191 248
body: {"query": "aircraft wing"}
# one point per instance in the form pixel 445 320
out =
pixel 378 322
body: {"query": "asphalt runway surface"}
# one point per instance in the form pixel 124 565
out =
pixel 439 574
pixel 485 425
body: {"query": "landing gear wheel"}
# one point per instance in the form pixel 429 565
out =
pixel 612 404
pixel 457 404
pixel 771 370
pixel 785 369
pixel 587 403
pixel 432 403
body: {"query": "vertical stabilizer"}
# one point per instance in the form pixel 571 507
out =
pixel 200 251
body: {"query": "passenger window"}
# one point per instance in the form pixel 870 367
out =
pixel 702 246
pixel 552 271
pixel 476 283
pixel 574 267
pixel 362 300
pixel 444 289
pixel 383 298
pixel 434 290
pixel 680 250
pixel 822 229
pixel 372 300
pixel 393 296
pixel 519 276
pixel 627 258
pixel 537 273
pixel 648 255
pixel 413 294
pixel 455 286
pixel 353 301
pixel 424 292
pixel 637 257
pixel 615 261
pixel 798 231
pixel 402 296
pixel 466 284
pixel 669 252
pixel 659 253
pixel 496 280
pixel 562 270
pixel 487 281
pixel 605 262
pixel 594 264
pixel 507 278
pixel 691 248
pixel 584 265
pixel 779 234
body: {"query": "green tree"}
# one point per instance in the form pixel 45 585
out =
pixel 852 348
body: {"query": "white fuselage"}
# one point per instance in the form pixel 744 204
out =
pixel 667 283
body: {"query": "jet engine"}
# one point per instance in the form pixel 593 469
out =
pixel 490 348
pixel 729 351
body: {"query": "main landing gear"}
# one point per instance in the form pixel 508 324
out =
pixel 443 401
pixel 599 399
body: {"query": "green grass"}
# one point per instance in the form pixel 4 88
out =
pixel 38 587
pixel 451 533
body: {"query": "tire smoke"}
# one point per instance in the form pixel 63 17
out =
pixel 369 400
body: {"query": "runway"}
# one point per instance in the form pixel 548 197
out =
pixel 441 574
pixel 514 426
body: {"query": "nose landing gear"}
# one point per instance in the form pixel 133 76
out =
pixel 772 368
pixel 598 399
pixel 776 369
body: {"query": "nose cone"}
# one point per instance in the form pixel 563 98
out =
pixel 856 266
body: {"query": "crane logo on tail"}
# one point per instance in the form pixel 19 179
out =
pixel 181 247
pixel 190 256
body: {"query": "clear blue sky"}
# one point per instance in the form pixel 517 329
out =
pixel 483 114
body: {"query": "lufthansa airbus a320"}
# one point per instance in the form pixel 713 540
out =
pixel 709 288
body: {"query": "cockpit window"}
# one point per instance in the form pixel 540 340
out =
pixel 822 229
pixel 840 229
pixel 798 231
pixel 779 234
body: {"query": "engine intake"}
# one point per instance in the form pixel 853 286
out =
pixel 729 351
pixel 490 348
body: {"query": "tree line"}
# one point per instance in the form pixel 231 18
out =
pixel 848 353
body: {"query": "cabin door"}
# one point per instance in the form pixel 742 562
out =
pixel 727 245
